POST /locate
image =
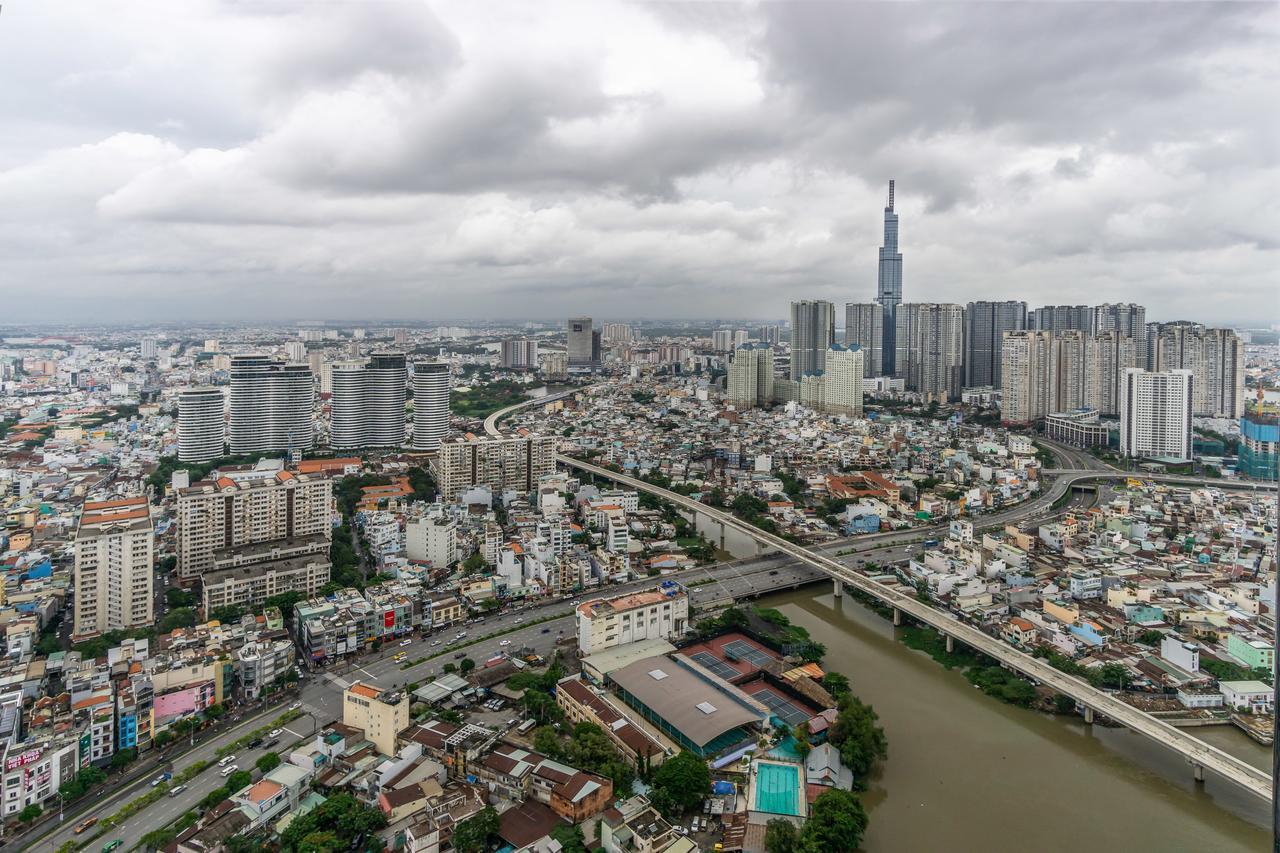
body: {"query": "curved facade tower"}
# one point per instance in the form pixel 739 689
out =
pixel 367 407
pixel 889 286
pixel 271 405
pixel 202 424
pixel 430 404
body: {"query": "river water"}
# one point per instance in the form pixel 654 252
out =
pixel 969 773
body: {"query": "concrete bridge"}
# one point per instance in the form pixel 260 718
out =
pixel 1171 479
pixel 1201 756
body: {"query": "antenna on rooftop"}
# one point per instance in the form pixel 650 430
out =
pixel 890 208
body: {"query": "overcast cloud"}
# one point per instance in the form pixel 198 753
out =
pixel 250 159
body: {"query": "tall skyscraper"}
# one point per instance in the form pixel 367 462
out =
pixel 202 424
pixel 367 407
pixel 771 335
pixel 1026 376
pixel 930 341
pixel 149 347
pixel 582 350
pixel 984 326
pixel 1060 318
pixel 750 380
pixel 813 331
pixel 271 405
pixel 509 462
pixel 889 286
pixel 1110 354
pixel 1215 357
pixel 430 404
pixel 114 553
pixel 864 328
pixel 1129 319
pixel 1155 414
pixel 1069 374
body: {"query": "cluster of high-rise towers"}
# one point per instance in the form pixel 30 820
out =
pixel 1052 359
pixel 272 407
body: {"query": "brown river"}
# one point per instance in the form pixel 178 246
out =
pixel 969 773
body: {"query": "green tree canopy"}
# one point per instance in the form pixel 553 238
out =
pixel 267 763
pixel 681 782
pixel 473 834
pixel 859 737
pixel 781 836
pixel 341 817
pixel 836 822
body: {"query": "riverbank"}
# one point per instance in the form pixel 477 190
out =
pixel 962 764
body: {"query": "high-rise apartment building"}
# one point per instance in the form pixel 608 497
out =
pixel 1128 318
pixel 864 328
pixel 271 405
pixel 1109 355
pixel 555 364
pixel 214 515
pixel 367 406
pixel 1060 318
pixel 433 540
pixel 813 331
pixel 430 404
pixel 1215 357
pixel 930 342
pixel 984 326
pixel 582 346
pixel 509 462
pixel 114 567
pixel 771 335
pixel 1260 443
pixel 889 286
pixel 1026 376
pixel 295 351
pixel 750 380
pixel 148 347
pixel 842 381
pixel 520 355
pixel 202 424
pixel 614 334
pixel 1070 377
pixel 1155 414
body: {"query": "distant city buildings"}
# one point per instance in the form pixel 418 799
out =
pixel 1155 414
pixel 984 326
pixel 1215 358
pixel 583 343
pixel 1026 369
pixel 930 341
pixel 510 462
pixel 520 355
pixel 864 328
pixel 750 380
pixel 555 364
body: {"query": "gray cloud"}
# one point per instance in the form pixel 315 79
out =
pixel 461 159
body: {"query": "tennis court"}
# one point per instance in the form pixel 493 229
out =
pixel 742 650
pixel 790 714
pixel 715 665
pixel 778 788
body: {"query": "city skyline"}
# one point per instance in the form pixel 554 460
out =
pixel 212 173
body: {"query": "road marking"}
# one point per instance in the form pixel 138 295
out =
pixel 367 672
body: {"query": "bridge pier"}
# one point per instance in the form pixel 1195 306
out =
pixel 837 588
pixel 1198 770
pixel 1088 716
pixel 951 644
pixel 897 617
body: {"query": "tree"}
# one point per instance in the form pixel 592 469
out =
pixel 836 822
pixel 30 813
pixel 215 712
pixel 267 763
pixel 157 839
pixel 570 837
pixel 123 758
pixel 1150 638
pixel 472 835
pixel 800 731
pixel 239 779
pixel 1115 675
pixel 541 706
pixel 836 684
pixel 683 780
pixel 547 742
pixel 780 836
pixel 178 597
pixel 181 617
pixel 474 563
pixel 466 665
pixel 858 736
pixel 341 817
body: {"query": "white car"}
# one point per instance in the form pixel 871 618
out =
pixel 519 620
pixel 435 642
pixel 504 642
pixel 406 642
pixel 275 733
pixel 295 706
pixel 225 760
pixel 227 771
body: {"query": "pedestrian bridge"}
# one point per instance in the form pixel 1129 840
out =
pixel 1201 756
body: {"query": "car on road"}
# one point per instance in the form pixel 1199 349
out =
pixel 295 706
pixel 228 770
pixel 504 642
pixel 176 790
pixel 225 760
pixel 546 630
pixel 275 733
pixel 460 656
pixel 255 743
pixel 435 642
pixel 406 642
pixel 773 572
pixel 85 824
pixel 163 777
pixel 519 620
pixel 271 743
pixel 111 845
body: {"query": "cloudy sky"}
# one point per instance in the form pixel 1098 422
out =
pixel 279 159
